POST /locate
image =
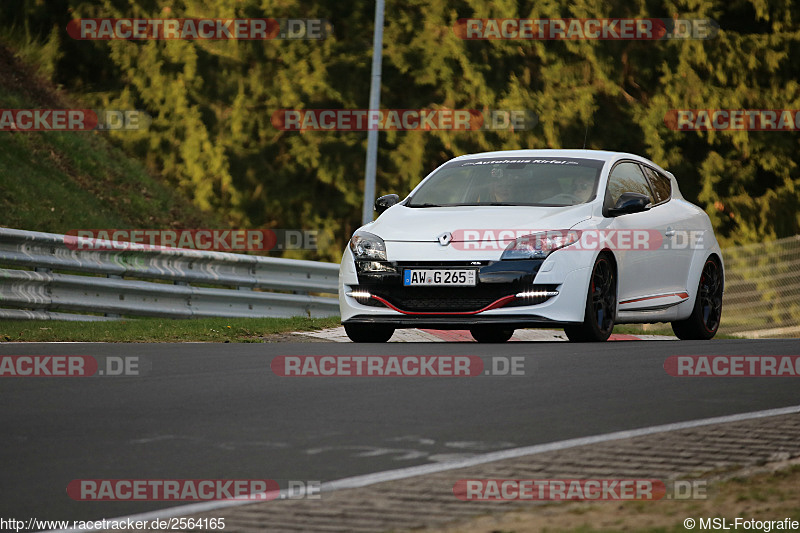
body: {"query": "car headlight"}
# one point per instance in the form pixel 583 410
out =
pixel 539 245
pixel 366 246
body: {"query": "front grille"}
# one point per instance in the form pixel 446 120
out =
pixel 445 264
pixel 443 304
pixel 495 280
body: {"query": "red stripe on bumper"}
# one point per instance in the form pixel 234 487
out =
pixel 494 305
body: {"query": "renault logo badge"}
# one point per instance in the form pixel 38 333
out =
pixel 445 238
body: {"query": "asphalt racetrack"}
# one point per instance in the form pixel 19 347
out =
pixel 214 411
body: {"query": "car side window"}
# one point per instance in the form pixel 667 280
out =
pixel 662 187
pixel 626 177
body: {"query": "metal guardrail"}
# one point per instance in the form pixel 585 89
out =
pixel 762 293
pixel 95 282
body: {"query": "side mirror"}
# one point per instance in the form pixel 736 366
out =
pixel 385 202
pixel 630 202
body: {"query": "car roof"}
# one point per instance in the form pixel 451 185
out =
pixel 601 155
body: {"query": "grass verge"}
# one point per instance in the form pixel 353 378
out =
pixel 58 181
pixel 159 330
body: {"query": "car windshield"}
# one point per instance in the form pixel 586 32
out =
pixel 538 181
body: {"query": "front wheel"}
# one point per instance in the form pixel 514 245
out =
pixel 368 332
pixel 601 305
pixel 490 334
pixel 703 323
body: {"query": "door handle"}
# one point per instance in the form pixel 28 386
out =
pixel 670 232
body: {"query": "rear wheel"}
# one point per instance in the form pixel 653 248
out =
pixel 703 323
pixel 601 305
pixel 490 334
pixel 368 332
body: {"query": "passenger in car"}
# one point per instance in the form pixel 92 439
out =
pixel 582 188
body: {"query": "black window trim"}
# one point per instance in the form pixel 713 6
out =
pixel 651 185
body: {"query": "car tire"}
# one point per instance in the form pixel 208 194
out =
pixel 490 334
pixel 704 321
pixel 601 304
pixel 368 332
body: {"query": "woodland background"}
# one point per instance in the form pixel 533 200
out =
pixel 212 140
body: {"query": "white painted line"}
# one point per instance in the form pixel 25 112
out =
pixel 402 473
pixel 413 471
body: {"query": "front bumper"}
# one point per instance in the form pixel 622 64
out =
pixel 525 293
pixel 457 322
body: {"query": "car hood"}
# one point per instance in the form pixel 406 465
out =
pixel 425 224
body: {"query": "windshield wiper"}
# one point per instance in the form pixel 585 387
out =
pixel 425 205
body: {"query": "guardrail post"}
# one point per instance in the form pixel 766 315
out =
pixel 43 270
pixel 113 315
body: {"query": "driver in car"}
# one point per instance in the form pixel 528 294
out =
pixel 507 186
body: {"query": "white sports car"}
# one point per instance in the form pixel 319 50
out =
pixel 572 239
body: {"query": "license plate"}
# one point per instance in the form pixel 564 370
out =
pixel 441 277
